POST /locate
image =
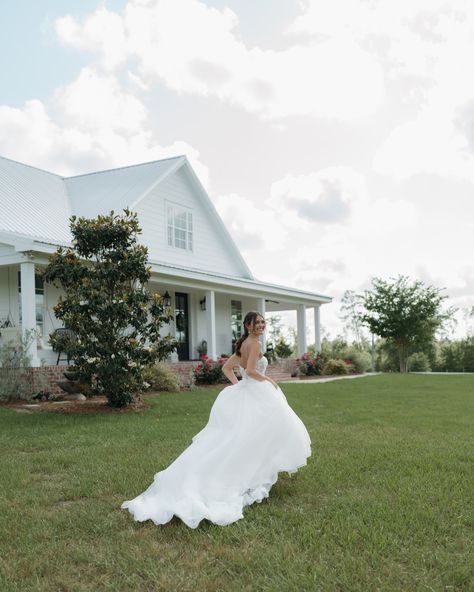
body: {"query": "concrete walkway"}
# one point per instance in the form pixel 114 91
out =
pixel 329 378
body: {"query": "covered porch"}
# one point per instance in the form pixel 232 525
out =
pixel 207 307
pixel 211 308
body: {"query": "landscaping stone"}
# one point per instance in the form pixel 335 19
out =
pixel 70 375
pixel 75 397
pixel 70 386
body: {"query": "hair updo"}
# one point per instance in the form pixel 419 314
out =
pixel 249 319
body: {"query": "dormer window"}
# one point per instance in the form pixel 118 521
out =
pixel 180 227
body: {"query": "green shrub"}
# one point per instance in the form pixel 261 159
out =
pixel 283 349
pixel 418 362
pixel 359 360
pixel 310 365
pixel 160 377
pixel 336 367
pixel 209 371
pixel 14 363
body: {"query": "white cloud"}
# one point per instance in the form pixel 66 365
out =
pixel 102 32
pixel 255 229
pixel 328 196
pixel 203 55
pixel 91 124
pixel 94 101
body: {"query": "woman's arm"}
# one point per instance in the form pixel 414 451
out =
pixel 228 369
pixel 254 355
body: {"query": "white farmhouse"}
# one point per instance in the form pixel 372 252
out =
pixel 193 258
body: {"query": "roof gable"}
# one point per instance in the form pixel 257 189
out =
pixel 116 189
pixel 38 204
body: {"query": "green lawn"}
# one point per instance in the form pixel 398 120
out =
pixel 384 503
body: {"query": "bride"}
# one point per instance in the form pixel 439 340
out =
pixel 251 435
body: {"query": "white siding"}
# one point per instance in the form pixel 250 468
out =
pixel 9 298
pixel 4 295
pixel 210 251
pixel 50 322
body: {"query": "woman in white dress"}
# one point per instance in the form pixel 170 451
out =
pixel 252 434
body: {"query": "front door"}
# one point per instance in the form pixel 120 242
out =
pixel 181 316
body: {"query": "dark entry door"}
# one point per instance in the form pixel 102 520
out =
pixel 181 315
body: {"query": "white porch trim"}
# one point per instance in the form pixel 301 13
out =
pixel 301 328
pixel 211 324
pixel 317 329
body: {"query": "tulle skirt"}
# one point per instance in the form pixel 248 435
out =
pixel 252 435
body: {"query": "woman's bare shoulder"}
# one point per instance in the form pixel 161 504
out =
pixel 251 346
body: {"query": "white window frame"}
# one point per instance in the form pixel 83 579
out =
pixel 179 235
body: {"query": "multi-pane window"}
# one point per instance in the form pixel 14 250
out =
pixel 180 228
pixel 236 319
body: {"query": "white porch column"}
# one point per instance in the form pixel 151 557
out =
pixel 28 307
pixel 211 324
pixel 317 329
pixel 261 309
pixel 301 328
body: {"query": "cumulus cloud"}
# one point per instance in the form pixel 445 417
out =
pixel 327 196
pixel 90 124
pixel 204 55
pixel 253 228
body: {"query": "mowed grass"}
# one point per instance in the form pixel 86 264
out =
pixel 384 504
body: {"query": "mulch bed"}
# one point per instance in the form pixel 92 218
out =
pixel 94 405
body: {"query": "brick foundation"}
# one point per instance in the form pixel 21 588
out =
pixel 33 380
pixel 45 378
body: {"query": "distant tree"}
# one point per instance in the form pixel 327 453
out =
pixel 274 328
pixel 106 303
pixel 468 317
pixel 282 348
pixel 405 313
pixel 457 356
pixel 334 348
pixel 351 311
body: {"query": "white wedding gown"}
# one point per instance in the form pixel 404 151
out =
pixel 251 435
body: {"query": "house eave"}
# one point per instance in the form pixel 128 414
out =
pixel 233 285
pixel 30 249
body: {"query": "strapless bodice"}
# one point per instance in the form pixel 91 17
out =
pixel 261 366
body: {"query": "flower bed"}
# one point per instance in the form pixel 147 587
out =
pixel 209 371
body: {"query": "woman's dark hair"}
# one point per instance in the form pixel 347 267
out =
pixel 249 319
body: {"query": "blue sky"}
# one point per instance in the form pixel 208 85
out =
pixel 336 138
pixel 33 63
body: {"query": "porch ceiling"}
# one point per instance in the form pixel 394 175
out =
pixel 276 297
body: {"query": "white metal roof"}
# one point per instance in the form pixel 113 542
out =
pixel 38 204
pixel 33 202
pixel 116 189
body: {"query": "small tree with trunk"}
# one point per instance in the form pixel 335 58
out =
pixel 116 320
pixel 405 313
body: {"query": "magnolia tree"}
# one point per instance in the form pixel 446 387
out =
pixel 406 314
pixel 115 319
